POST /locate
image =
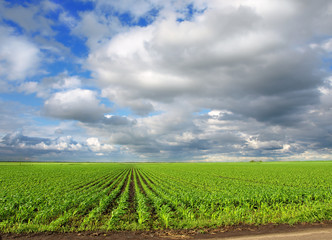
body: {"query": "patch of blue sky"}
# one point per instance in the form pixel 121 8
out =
pixel 107 102
pixel 41 121
pixel 189 12
pixel 327 62
pixel 128 19
pixel 149 18
pixel 325 67
pixel 16 27
pixel 203 111
pixel 24 3
pixel 74 43
pixel 122 111
pixel 73 69
pixel 53 14
pixel 75 7
pixel 25 99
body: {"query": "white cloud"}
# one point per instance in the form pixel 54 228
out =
pixel 96 28
pixel 95 146
pixel 19 58
pixel 49 85
pixel 28 87
pixel 137 8
pixel 69 82
pixel 269 145
pixel 77 104
pixel 60 144
pixel 17 146
pixel 30 17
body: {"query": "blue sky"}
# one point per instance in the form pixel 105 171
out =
pixel 151 80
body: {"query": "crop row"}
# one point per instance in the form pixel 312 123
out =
pixel 151 196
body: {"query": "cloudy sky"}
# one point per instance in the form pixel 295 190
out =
pixel 156 80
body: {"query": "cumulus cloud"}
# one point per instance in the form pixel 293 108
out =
pixel 30 17
pixel 77 104
pixel 17 144
pixel 20 145
pixel 95 146
pixel 49 85
pixel 42 23
pixel 96 28
pixel 224 57
pixel 201 79
pixel 19 58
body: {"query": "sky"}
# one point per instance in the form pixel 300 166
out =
pixel 156 80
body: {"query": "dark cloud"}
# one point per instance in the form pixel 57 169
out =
pixel 259 71
pixel 246 67
pixel 19 139
pixel 17 146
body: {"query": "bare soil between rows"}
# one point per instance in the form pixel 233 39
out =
pixel 223 232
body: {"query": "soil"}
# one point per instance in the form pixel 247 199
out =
pixel 224 232
pixel 132 192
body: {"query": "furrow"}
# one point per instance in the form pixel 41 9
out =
pixel 113 219
pixel 71 218
pixel 161 205
pixel 91 183
pixel 179 208
pixel 91 221
pixel 51 209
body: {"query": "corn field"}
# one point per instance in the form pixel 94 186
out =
pixel 70 197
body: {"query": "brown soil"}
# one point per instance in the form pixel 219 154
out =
pixel 132 192
pixel 225 232
pixel 131 214
pixel 139 183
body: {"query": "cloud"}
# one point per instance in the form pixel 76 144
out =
pixel 19 58
pixel 77 104
pixel 18 138
pixel 222 58
pixel 168 136
pixel 95 146
pixel 248 63
pixel 141 6
pixel 95 28
pixel 17 144
pixel 43 23
pixel 112 17
pixel 30 17
pixel 118 120
pixel 190 79
pixel 48 85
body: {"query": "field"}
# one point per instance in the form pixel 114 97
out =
pixel 66 197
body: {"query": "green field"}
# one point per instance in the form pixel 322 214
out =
pixel 37 197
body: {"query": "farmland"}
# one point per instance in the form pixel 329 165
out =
pixel 68 197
